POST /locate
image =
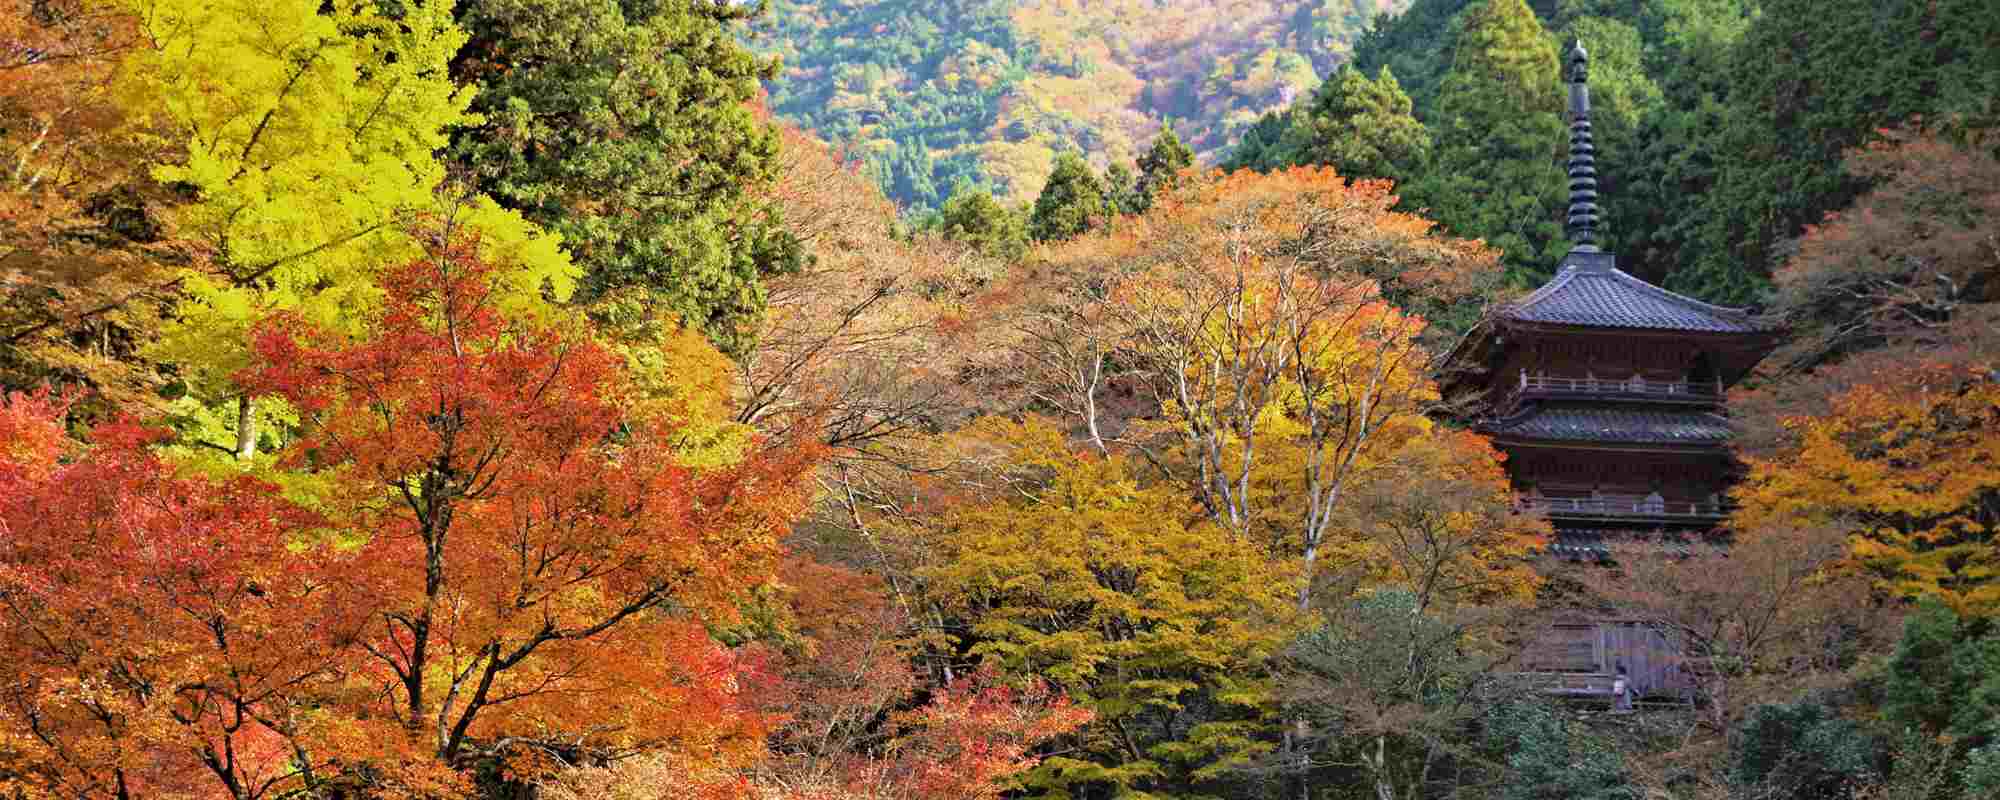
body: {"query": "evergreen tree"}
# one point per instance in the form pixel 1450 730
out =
pixel 1161 165
pixel 1121 190
pixel 1655 187
pixel 627 128
pixel 1945 676
pixel 1810 80
pixel 972 216
pixel 1801 750
pixel 1499 138
pixel 1362 128
pixel 1416 45
pixel 911 172
pixel 1549 758
pixel 1070 203
pixel 1264 147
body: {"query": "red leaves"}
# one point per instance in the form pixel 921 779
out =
pixel 530 536
pixel 157 627
pixel 509 555
pixel 973 735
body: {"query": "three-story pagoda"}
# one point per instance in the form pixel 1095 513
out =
pixel 1606 391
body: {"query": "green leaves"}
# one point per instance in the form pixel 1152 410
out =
pixel 1499 134
pixel 1362 128
pixel 1071 202
pixel 628 130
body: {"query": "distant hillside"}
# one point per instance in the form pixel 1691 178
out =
pixel 932 92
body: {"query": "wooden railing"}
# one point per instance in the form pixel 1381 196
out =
pixel 1621 505
pixel 1571 684
pixel 1550 384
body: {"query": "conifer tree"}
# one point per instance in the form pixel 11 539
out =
pixel 1121 190
pixel 1809 81
pixel 1362 128
pixel 627 128
pixel 974 217
pixel 1499 136
pixel 1161 165
pixel 1266 146
pixel 1071 202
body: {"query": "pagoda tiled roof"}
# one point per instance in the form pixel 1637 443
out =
pixel 1595 544
pixel 1636 426
pixel 1589 291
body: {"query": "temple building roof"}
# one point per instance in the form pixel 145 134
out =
pixel 1595 544
pixel 1635 426
pixel 1590 292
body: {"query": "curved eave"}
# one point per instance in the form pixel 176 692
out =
pixel 1608 445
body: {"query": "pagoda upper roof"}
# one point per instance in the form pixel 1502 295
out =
pixel 1590 291
pixel 1613 425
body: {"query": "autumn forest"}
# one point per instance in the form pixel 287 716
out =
pixel 968 399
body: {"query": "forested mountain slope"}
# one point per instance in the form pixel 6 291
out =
pixel 1721 124
pixel 933 92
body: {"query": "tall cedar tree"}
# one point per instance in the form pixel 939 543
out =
pixel 1161 166
pixel 627 128
pixel 974 217
pixel 1499 133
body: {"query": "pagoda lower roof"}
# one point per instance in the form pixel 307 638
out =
pixel 1597 544
pixel 1612 425
pixel 1589 291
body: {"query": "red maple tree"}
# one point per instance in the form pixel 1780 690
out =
pixel 160 631
pixel 537 559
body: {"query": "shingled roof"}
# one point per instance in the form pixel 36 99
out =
pixel 1590 291
pixel 1568 424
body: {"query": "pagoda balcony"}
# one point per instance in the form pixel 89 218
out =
pixel 1624 507
pixel 1634 387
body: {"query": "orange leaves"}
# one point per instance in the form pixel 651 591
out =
pixel 1906 455
pixel 502 558
pixel 524 535
pixel 160 631
pixel 1880 416
pixel 972 736
pixel 1274 320
pixel 31 433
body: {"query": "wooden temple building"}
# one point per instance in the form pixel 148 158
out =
pixel 1605 392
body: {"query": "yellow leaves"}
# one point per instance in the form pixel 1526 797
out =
pixel 1908 460
pixel 306 137
pixel 1087 565
pixel 682 382
pixel 1071 567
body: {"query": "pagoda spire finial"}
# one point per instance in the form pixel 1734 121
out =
pixel 1582 227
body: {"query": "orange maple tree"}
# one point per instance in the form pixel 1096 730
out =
pixel 537 560
pixel 1882 416
pixel 163 634
pixel 1277 323
pixel 858 720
